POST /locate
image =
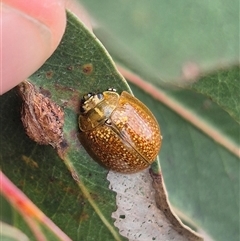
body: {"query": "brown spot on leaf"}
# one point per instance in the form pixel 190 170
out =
pixel 84 216
pixel 21 183
pixel 49 74
pixel 87 69
pixel 70 68
pixel 63 88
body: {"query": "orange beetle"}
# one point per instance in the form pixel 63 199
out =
pixel 119 131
